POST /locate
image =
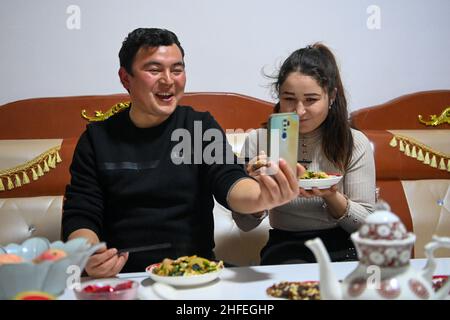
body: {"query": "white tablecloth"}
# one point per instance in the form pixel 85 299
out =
pixel 250 283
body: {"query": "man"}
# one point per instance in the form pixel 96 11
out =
pixel 126 188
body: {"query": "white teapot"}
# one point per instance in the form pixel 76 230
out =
pixel 384 249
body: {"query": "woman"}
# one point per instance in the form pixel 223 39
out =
pixel 309 83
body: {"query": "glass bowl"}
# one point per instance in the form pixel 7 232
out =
pixel 51 275
pixel 108 289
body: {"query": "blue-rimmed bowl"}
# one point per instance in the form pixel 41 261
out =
pixel 51 277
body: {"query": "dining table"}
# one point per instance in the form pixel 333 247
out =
pixel 250 282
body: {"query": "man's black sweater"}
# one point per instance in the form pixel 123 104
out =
pixel 126 188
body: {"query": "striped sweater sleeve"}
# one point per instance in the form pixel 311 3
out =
pixel 359 183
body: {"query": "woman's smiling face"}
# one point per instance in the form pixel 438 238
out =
pixel 302 94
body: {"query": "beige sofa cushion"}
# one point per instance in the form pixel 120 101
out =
pixel 234 245
pixel 429 204
pixel 21 218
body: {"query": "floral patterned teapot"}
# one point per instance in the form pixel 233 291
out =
pixel 384 250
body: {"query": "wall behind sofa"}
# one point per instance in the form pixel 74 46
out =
pixel 385 48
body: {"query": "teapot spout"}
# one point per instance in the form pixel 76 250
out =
pixel 330 289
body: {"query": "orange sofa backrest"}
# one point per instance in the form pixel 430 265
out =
pixel 403 112
pixel 45 118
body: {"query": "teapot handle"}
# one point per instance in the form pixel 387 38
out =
pixel 437 242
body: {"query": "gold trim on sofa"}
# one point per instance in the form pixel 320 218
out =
pixel 411 147
pixel 435 120
pixel 17 176
pixel 100 115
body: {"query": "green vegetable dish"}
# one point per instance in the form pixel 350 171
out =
pixel 187 266
pixel 314 175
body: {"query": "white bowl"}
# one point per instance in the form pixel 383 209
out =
pixel 308 184
pixel 183 281
pixel 51 277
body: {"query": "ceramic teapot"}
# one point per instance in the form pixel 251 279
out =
pixel 384 250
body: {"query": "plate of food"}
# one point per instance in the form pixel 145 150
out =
pixel 295 290
pixel 318 179
pixel 185 271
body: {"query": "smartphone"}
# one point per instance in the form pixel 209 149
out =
pixel 283 138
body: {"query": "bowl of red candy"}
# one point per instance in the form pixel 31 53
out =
pixel 107 289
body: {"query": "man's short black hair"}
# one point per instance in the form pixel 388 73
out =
pixel 145 37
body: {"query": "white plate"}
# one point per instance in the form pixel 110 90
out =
pixel 308 184
pixel 182 281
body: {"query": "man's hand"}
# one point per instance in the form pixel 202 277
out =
pixel 268 191
pixel 105 263
pixel 278 188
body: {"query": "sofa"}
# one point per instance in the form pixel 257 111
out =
pixel 411 140
pixel 37 141
pixel 38 138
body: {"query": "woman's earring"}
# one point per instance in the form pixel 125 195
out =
pixel 329 107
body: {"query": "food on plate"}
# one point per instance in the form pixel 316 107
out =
pixel 259 164
pixel 187 266
pixel 50 255
pixel 304 290
pixel 34 295
pixel 93 288
pixel 314 175
pixel 7 258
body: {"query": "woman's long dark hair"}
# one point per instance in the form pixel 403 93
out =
pixel 319 62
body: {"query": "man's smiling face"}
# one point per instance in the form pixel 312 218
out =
pixel 156 85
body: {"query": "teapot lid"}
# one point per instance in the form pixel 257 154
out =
pixel 383 225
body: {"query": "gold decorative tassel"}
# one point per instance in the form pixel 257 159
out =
pixel 407 151
pixel 10 184
pixel 52 162
pixel 17 182
pixel 426 160
pixel 25 179
pixel 35 176
pixel 420 155
pixel 393 142
pixel 448 165
pixel 402 147
pixel 414 152
pixel 46 168
pixel 18 176
pixel 58 158
pixel 433 162
pixel 39 170
pixel 442 164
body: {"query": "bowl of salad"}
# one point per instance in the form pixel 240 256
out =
pixel 185 271
pixel 318 179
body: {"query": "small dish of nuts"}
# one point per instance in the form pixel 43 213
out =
pixel 301 290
